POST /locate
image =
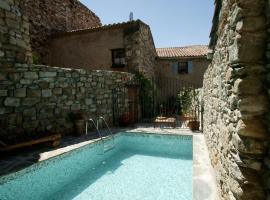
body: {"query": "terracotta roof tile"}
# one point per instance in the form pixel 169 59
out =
pixel 178 52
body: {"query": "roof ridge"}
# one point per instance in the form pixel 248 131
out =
pixel 199 45
pixel 185 51
pixel 106 26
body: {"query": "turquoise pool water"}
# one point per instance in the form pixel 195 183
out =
pixel 141 166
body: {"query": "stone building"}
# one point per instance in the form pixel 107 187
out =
pixel 47 17
pixel 236 102
pixel 119 47
pixel 184 63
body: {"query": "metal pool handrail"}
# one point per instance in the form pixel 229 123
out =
pixel 107 126
pixel 110 134
pixel 96 127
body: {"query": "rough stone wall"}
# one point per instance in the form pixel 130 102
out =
pixel 235 99
pixel 267 159
pixel 14 35
pixel 36 100
pixel 47 17
pixel 140 49
pixel 146 51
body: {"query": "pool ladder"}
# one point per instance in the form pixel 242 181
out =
pixel 109 137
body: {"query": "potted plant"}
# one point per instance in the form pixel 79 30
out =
pixel 189 101
pixel 194 124
pixel 78 121
pixel 185 100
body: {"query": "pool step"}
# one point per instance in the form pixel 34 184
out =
pixel 108 147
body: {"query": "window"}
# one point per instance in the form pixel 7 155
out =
pixel 174 67
pixel 118 58
pixel 183 68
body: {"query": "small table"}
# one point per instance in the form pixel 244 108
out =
pixel 169 121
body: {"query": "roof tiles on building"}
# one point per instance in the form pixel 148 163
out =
pixel 183 52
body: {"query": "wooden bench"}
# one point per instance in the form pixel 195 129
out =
pixel 54 141
pixel 169 121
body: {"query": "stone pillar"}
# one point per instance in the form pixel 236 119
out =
pixel 235 98
pixel 14 34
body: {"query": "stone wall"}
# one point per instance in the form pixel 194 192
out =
pixel 235 100
pixel 14 35
pixel 37 100
pixel 267 159
pixel 144 53
pixel 47 17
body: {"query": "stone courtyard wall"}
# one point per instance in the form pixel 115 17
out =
pixel 14 35
pixel 267 160
pixel 235 100
pixel 37 100
pixel 47 17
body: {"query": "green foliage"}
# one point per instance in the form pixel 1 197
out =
pixel 189 100
pixel 146 95
pixel 36 58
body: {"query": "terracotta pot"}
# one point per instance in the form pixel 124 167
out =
pixel 194 125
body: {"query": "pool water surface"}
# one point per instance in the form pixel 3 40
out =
pixel 140 167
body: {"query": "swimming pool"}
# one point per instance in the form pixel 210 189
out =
pixel 142 166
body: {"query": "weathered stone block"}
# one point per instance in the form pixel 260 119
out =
pixel 75 107
pixel 57 91
pixel 33 93
pixel 44 84
pixel 12 102
pixel 25 81
pixel 2 54
pixel 4 5
pixel 30 75
pixel 88 101
pixel 29 112
pixel 5 110
pixel 46 93
pixel 234 53
pixel 20 92
pixel 3 93
pixel 47 74
pixel 30 101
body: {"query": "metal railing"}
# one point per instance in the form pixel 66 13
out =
pixel 108 147
pixel 103 138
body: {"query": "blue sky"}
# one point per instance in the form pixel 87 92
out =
pixel 173 22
